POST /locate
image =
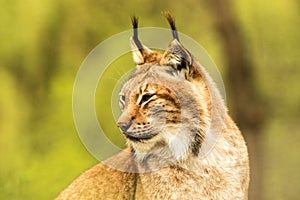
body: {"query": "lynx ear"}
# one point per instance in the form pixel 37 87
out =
pixel 178 57
pixel 141 53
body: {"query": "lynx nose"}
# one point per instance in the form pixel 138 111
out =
pixel 124 121
pixel 124 126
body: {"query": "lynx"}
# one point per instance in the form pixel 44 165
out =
pixel 182 144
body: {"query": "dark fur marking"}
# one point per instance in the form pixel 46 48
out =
pixel 171 21
pixel 135 22
pixel 196 145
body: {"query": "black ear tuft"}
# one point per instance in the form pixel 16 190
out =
pixel 171 21
pixel 135 22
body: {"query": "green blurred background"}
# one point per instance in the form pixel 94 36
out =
pixel 43 44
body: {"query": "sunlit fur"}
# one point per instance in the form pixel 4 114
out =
pixel 182 144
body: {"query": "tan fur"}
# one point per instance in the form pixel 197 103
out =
pixel 182 143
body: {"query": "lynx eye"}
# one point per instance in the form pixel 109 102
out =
pixel 146 98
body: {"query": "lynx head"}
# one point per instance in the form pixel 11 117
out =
pixel 166 104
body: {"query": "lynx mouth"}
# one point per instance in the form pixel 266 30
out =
pixel 139 138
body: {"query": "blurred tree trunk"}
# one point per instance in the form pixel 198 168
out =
pixel 245 103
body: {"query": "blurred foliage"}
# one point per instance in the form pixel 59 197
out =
pixel 43 44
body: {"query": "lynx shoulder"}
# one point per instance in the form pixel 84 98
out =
pixel 182 144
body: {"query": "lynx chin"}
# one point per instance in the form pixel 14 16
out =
pixel 182 144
